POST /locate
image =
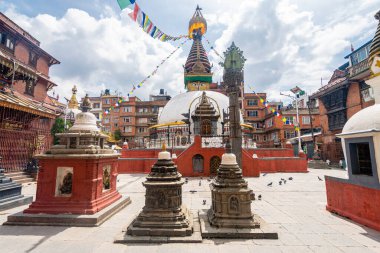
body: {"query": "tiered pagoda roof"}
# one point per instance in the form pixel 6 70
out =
pixel 197 67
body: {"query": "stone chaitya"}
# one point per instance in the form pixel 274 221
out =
pixel 77 179
pixel 231 197
pixel 163 213
pixel 10 192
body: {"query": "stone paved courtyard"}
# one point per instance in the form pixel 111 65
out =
pixel 296 210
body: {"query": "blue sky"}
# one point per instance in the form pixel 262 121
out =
pixel 286 42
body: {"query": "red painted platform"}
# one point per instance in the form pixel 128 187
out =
pixel 87 197
pixel 269 160
pixel 358 203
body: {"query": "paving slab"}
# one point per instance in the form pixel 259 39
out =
pixel 301 202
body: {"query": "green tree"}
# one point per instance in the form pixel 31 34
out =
pixel 58 127
pixel 117 135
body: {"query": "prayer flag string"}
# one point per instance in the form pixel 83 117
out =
pixel 139 85
pixel 147 25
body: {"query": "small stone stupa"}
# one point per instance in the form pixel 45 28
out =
pixel 230 215
pixel 163 213
pixel 77 181
pixel 231 197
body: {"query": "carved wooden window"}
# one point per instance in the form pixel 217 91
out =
pixel 214 164
pixel 29 87
pixel 33 58
pixel 206 127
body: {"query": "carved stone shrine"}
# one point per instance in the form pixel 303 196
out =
pixel 77 179
pixel 231 197
pixel 163 213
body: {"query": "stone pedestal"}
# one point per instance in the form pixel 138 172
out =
pixel 163 213
pixel 10 193
pixel 88 193
pixel 77 179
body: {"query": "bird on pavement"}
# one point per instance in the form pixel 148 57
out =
pixel 259 197
pixel 320 179
pixel 192 191
pixel 280 182
pixel 290 178
pixel 270 184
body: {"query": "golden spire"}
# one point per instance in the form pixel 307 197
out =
pixel 73 103
pixel 375 46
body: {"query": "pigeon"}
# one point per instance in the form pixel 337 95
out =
pixel 264 174
pixel 284 181
pixel 280 183
pixel 270 184
pixel 200 183
pixel 192 191
pixel 118 180
pixel 320 179
pixel 259 197
pixel 290 178
pixel 204 202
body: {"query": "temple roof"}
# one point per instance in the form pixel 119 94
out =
pixel 197 62
pixel 205 108
pixel 375 47
pixel 18 102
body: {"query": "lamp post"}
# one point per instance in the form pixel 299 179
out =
pixel 294 98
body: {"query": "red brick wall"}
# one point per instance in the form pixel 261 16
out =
pixel 360 204
pixel 353 100
pixel 43 65
pixel 137 161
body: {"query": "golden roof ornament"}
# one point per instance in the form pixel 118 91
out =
pixel 73 103
pixel 197 23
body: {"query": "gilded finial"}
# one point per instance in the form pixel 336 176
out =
pixel 73 103
pixel 163 146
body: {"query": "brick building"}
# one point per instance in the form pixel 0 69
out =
pixel 132 117
pixel 269 130
pixel 27 112
pixel 345 94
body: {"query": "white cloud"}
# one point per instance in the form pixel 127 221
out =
pixel 109 52
pixel 286 42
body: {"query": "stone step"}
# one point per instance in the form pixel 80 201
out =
pixel 18 173
pixel 24 180
pixel 20 177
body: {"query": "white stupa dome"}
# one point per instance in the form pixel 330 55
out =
pixel 181 103
pixel 364 120
pixel 84 121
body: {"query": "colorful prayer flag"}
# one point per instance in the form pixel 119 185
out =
pixel 125 3
pixel 134 13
